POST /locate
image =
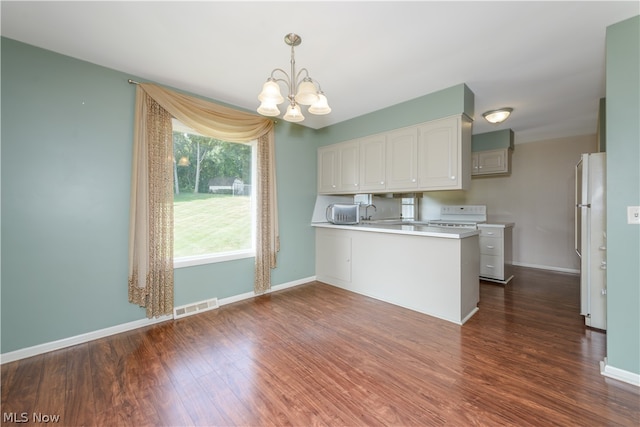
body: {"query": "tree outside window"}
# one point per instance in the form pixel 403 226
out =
pixel 213 198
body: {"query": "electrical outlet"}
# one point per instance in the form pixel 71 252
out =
pixel 633 214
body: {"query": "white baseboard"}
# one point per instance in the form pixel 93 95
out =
pixel 547 267
pixel 619 374
pixel 78 339
pixel 102 333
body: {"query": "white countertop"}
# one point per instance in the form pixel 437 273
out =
pixel 498 224
pixel 416 230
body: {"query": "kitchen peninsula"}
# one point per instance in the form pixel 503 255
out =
pixel 427 269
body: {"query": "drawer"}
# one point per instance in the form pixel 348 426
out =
pixel 491 266
pixel 491 231
pixel 491 246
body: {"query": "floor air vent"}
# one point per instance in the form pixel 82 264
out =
pixel 195 308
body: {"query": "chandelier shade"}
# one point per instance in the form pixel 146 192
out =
pixel 301 90
pixel 269 109
pixel 293 114
pixel 307 93
pixel 321 106
pixel 271 92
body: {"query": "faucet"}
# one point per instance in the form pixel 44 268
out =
pixel 366 211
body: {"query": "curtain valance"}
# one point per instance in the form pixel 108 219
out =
pixel 208 118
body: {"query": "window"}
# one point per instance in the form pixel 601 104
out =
pixel 214 215
pixel 408 208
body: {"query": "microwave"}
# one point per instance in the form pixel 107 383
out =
pixel 343 214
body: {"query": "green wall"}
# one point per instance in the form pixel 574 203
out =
pixel 492 140
pixel 67 129
pixel 623 189
pixel 457 99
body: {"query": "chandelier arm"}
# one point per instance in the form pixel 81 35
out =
pixel 306 72
pixel 315 82
pixel 286 80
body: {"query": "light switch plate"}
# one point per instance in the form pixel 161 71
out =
pixel 633 214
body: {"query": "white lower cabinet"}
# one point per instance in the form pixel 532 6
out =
pixel 495 252
pixel 333 255
pixel 432 275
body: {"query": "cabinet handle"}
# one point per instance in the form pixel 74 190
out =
pixel 489 266
pixel 490 247
pixel 381 182
pixel 453 177
pixel 413 180
pixel 490 233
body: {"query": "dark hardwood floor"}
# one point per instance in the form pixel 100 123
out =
pixel 318 355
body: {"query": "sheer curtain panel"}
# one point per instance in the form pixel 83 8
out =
pixel 151 214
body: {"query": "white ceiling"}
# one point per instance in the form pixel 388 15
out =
pixel 544 59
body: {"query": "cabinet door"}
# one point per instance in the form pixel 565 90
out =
pixel 333 255
pixel 348 173
pixel 493 161
pixel 372 163
pixel 402 159
pixel 438 154
pixel 474 164
pixel 327 170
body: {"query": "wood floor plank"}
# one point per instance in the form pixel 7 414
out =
pixel 22 388
pixel 50 402
pixel 318 355
pixel 79 398
pixel 198 403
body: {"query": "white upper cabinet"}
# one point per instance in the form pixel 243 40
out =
pixel 402 159
pixel 492 162
pixel 492 153
pixel 338 168
pixel 444 154
pixel 328 169
pixel 430 156
pixel 373 163
pixel 349 164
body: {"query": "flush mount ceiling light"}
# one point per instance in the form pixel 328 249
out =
pixel 498 116
pixel 302 90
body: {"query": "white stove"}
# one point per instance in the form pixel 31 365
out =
pixel 464 216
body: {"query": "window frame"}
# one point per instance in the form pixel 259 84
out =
pixel 195 260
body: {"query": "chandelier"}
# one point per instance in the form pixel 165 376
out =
pixel 302 90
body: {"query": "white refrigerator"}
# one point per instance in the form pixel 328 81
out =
pixel 591 238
